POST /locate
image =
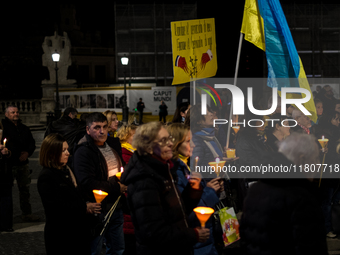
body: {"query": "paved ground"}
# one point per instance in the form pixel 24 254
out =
pixel 28 238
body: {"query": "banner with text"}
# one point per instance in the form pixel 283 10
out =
pixel 193 49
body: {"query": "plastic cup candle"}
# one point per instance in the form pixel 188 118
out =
pixel 99 195
pixel 236 129
pixel 119 174
pixel 217 165
pixel 203 214
pixel 323 142
pixel 230 153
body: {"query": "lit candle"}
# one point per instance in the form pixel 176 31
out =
pixel 119 174
pixel 217 165
pixel 203 214
pixel 236 129
pixel 230 153
pixel 323 142
pixel 99 195
pixel 5 140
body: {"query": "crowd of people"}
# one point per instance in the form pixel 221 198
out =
pixel 149 206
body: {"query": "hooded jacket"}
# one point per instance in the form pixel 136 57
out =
pixel 158 210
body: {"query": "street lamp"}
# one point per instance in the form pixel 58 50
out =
pixel 56 58
pixel 125 62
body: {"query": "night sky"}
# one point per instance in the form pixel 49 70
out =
pixel 24 26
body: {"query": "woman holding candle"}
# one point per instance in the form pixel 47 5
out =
pixel 182 150
pixel 66 229
pixel 125 135
pixel 158 209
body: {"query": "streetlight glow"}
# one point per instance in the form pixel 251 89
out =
pixel 55 56
pixel 125 61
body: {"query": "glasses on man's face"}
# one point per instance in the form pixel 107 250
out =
pixel 165 141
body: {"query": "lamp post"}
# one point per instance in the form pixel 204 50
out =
pixel 55 58
pixel 125 62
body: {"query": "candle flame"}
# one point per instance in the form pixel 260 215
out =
pixel 202 212
pixel 196 158
pixel 217 160
pixel 323 137
pixel 5 140
pixel 122 169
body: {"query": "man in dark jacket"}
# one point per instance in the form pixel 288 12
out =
pixel 22 145
pixel 69 127
pixel 282 216
pixel 97 158
pixel 140 109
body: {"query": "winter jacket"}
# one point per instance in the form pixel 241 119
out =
pixel 282 216
pixel 71 129
pixel 209 198
pixel 90 169
pixel 19 139
pixel 158 211
pixel 250 147
pixel 66 230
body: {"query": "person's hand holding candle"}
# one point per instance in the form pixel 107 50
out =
pixel 93 208
pixel 195 180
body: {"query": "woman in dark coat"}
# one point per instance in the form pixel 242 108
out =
pixel 158 210
pixel 66 229
pixel 282 216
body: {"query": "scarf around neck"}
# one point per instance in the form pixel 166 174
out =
pixel 128 147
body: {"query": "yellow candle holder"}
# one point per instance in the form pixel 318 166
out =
pixel 203 214
pixel 99 195
pixel 217 165
pixel 230 153
pixel 118 175
pixel 236 129
pixel 323 142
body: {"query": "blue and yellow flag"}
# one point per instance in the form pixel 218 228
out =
pixel 264 24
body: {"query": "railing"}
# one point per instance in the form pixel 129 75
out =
pixel 29 109
pixel 24 106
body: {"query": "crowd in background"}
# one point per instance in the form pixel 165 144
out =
pixel 149 208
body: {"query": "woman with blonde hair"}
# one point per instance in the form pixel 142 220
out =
pixel 112 122
pixel 158 210
pixel 182 150
pixel 125 135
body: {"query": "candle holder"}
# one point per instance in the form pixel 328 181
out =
pixel 99 195
pixel 323 142
pixel 217 165
pixel 236 129
pixel 230 153
pixel 203 214
pixel 119 174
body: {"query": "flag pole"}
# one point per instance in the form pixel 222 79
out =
pixel 235 83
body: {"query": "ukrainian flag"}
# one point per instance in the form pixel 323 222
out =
pixel 264 24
